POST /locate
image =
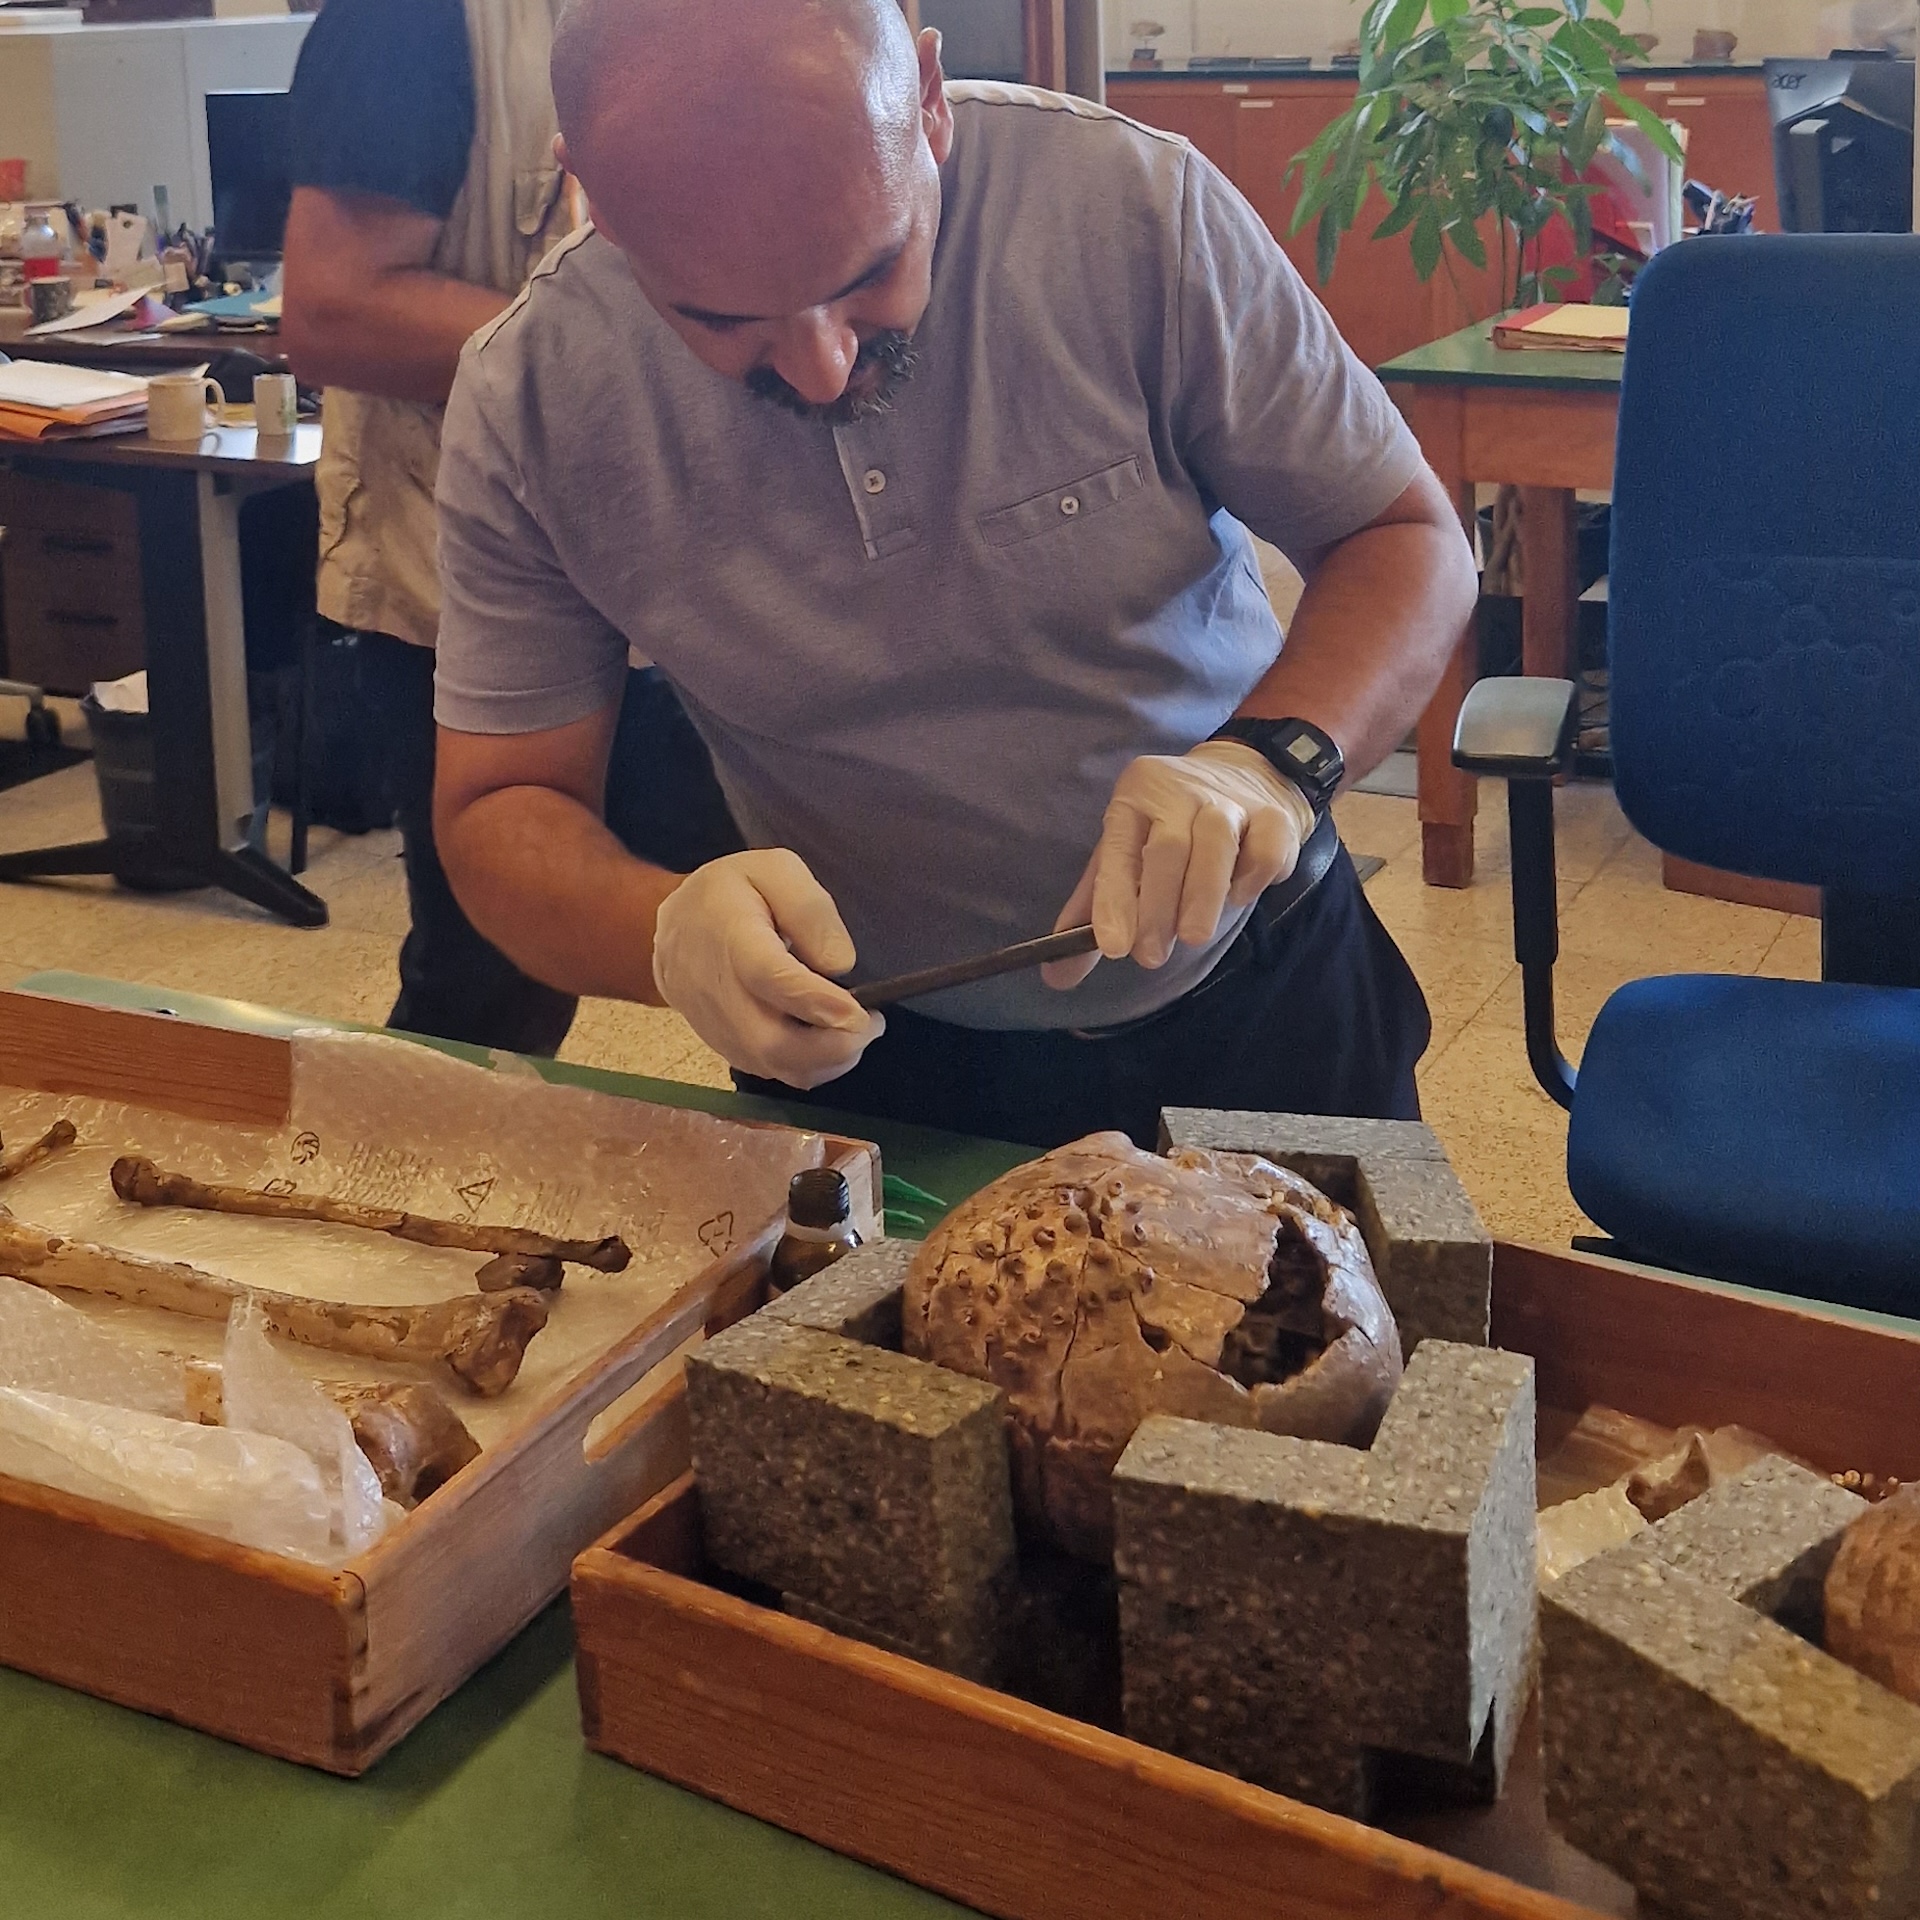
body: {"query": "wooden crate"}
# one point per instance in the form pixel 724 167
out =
pixel 1031 1816
pixel 326 1668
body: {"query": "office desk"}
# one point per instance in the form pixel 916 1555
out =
pixel 189 500
pixel 492 1810
pixel 146 352
pixel 1543 422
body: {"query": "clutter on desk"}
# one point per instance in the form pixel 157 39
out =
pixel 40 400
pixel 1717 212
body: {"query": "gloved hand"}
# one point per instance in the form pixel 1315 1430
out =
pixel 1187 837
pixel 739 950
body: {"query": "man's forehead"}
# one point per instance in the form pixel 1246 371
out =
pixel 745 255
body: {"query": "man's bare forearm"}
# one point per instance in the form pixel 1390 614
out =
pixel 398 334
pixel 1381 616
pixel 545 881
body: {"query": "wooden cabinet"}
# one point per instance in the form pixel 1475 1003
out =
pixel 70 564
pixel 1252 129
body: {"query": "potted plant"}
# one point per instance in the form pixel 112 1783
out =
pixel 1476 119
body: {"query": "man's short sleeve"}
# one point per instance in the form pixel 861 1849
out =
pixel 383 102
pixel 1275 416
pixel 520 649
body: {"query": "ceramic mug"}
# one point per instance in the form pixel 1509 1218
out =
pixel 181 406
pixel 276 405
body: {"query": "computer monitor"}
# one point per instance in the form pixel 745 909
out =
pixel 248 161
pixel 1843 143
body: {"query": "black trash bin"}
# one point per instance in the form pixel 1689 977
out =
pixel 123 771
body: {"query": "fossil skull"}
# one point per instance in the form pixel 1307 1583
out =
pixel 1099 1284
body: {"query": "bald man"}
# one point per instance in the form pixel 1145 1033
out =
pixel 916 431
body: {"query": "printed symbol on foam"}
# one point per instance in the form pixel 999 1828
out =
pixel 475 1193
pixel 716 1235
pixel 278 1188
pixel 306 1147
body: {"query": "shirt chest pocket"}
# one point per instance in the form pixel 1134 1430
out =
pixel 1062 507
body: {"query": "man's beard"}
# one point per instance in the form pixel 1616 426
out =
pixel 890 357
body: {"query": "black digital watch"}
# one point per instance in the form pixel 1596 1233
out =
pixel 1296 748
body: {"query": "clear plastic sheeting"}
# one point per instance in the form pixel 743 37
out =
pixel 90 1413
pixel 48 1347
pixel 261 1393
pixel 246 1487
pixel 392 1123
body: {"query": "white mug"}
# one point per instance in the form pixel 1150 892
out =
pixel 276 405
pixel 181 406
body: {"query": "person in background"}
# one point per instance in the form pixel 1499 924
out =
pixel 425 193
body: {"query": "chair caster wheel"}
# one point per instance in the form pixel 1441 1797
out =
pixel 43 727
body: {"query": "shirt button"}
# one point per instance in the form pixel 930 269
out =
pixel 1070 504
pixel 875 481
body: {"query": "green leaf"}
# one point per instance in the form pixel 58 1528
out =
pixel 1426 244
pixel 1467 242
pixel 1651 124
pixel 1326 248
pixel 1398 219
pixel 1402 18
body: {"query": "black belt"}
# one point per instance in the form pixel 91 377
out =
pixel 1273 907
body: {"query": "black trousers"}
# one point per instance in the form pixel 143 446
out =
pixel 1317 1013
pixel 662 801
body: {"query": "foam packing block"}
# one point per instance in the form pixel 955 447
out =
pixel 1291 1610
pixel 1706 1750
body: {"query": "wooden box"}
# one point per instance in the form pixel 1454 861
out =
pixel 1031 1816
pixel 329 1668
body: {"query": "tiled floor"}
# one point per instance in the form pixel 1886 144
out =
pixel 1507 1138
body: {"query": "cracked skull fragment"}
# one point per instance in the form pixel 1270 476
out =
pixel 1099 1284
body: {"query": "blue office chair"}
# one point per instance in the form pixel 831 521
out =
pixel 1765 688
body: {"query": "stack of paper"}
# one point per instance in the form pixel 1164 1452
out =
pixel 41 401
pixel 1574 329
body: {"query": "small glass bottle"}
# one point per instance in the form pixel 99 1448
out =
pixel 819 1228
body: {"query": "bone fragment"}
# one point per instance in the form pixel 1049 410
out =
pixel 414 1440
pixel 58 1136
pixel 481 1337
pixel 537 1270
pixel 146 1185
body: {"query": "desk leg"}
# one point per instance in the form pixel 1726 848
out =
pixel 1448 797
pixel 1550 562
pixel 197 703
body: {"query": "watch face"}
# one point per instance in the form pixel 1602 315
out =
pixel 1302 751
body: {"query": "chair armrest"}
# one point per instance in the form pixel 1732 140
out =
pixel 1518 729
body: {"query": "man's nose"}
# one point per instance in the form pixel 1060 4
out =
pixel 816 358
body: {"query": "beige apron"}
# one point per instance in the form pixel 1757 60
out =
pixel 379 456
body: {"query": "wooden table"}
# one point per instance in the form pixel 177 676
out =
pixel 189 500
pixel 1543 422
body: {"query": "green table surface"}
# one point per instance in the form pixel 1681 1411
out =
pixel 493 1809
pixel 1470 359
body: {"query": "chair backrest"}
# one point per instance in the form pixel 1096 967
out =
pixel 1764 588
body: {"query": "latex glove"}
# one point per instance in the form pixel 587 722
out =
pixel 740 948
pixel 1187 839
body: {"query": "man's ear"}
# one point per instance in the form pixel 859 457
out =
pixel 936 116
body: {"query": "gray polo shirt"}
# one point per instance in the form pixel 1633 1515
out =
pixel 923 647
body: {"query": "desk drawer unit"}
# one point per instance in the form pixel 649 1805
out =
pixel 70 567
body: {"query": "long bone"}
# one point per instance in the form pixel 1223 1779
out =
pixel 481 1337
